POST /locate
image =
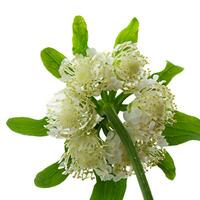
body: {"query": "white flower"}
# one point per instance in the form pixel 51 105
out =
pixel 128 63
pixel 89 74
pixel 145 121
pixel 68 113
pixel 113 148
pixel 85 153
pixel 116 157
pixel 154 100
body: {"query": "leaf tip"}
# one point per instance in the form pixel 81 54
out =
pixel 79 18
pixel 9 123
pixel 177 66
pixel 129 33
pixel 51 58
pixel 50 176
pixel 44 52
pixel 80 36
pixel 135 21
pixel 79 21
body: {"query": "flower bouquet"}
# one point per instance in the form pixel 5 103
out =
pixel 98 144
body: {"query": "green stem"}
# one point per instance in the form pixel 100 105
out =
pixel 131 151
pixel 121 97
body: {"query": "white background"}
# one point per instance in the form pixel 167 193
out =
pixel 169 30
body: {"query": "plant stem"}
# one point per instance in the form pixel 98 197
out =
pixel 131 151
pixel 121 97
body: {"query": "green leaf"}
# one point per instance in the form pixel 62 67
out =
pixel 168 167
pixel 130 33
pixel 52 59
pixel 109 190
pixel 50 176
pixel 169 72
pixel 184 129
pixel 28 126
pixel 80 36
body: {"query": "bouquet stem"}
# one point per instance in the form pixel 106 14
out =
pixel 131 151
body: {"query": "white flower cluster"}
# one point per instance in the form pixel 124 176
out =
pixel 89 75
pixel 72 116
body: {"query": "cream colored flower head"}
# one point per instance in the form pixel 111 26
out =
pixel 68 113
pixel 85 152
pixel 128 63
pixel 146 118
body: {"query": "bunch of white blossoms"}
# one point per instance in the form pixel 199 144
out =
pixel 73 116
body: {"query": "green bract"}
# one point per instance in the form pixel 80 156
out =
pixel 50 176
pixel 109 190
pixel 52 59
pixel 169 72
pixel 184 128
pixel 28 126
pixel 80 36
pixel 168 167
pixel 130 33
